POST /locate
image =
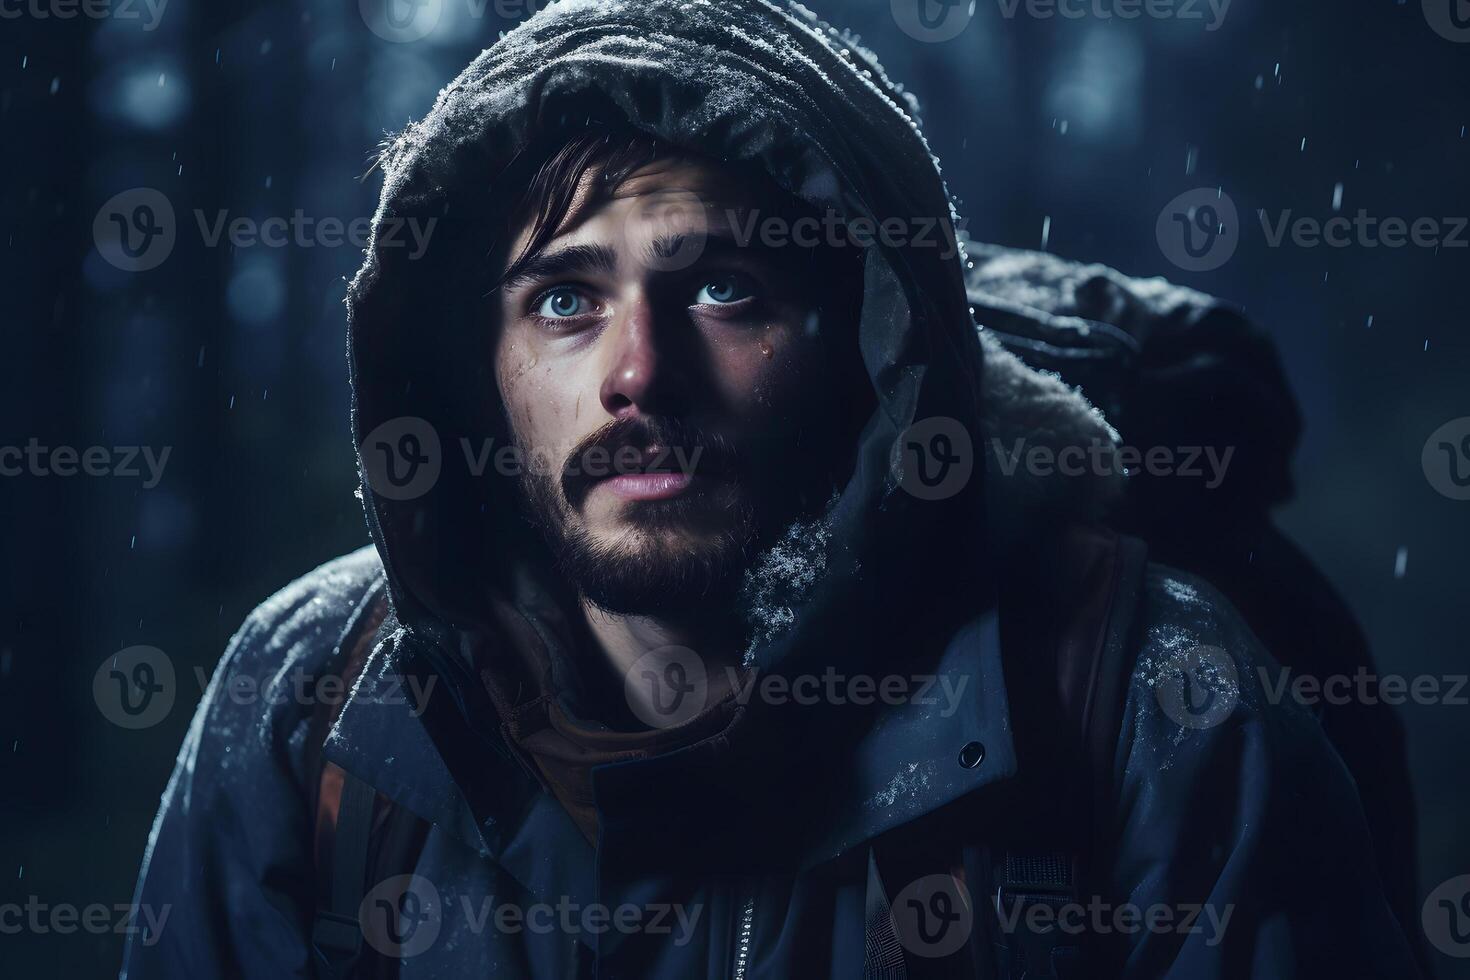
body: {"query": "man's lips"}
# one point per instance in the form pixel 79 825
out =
pixel 647 486
pixel 652 472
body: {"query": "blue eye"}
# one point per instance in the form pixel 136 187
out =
pixel 722 292
pixel 561 303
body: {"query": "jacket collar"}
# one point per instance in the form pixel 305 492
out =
pixel 384 734
pixel 933 747
pixel 380 736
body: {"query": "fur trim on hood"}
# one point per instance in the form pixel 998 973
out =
pixel 1026 409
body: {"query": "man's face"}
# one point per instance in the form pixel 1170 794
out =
pixel 676 379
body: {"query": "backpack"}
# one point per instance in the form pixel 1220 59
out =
pixel 1174 368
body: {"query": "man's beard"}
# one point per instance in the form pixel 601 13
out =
pixel 668 557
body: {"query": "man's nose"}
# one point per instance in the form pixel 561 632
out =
pixel 639 379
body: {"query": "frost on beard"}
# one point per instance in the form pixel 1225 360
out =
pixel 781 579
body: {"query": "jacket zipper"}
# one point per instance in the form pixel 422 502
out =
pixel 744 927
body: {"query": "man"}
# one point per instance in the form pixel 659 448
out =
pixel 695 640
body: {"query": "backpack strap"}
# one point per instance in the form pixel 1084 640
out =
pixel 1024 880
pixel 1067 617
pixel 336 932
pixel 344 809
pixel 1072 659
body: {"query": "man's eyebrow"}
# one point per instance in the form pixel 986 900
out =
pixel 571 260
pixel 583 259
pixel 714 242
pixel 667 247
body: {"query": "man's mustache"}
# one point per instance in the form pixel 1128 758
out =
pixel 647 444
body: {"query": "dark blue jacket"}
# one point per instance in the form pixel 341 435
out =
pixel 1251 825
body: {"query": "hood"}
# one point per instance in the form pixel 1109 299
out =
pixel 759 84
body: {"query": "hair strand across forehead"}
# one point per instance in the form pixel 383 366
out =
pixel 550 199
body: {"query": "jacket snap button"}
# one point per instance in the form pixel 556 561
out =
pixel 972 755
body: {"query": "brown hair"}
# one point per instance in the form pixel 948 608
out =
pixel 611 155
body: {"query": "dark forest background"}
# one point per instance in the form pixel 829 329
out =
pixel 235 358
